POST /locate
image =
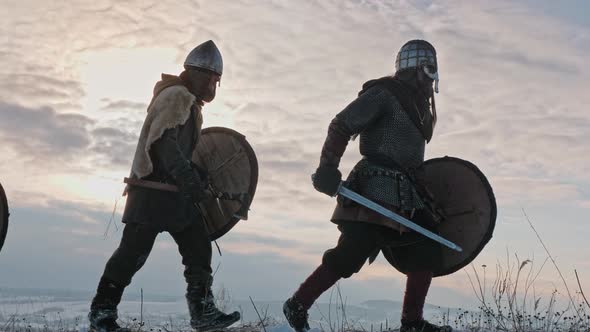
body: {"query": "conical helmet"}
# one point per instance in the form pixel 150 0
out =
pixel 206 56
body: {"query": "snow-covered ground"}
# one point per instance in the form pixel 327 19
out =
pixel 69 309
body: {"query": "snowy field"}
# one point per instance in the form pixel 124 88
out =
pixel 68 310
pixel 37 310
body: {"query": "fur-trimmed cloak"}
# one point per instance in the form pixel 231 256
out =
pixel 170 107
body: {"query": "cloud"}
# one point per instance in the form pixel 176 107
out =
pixel 114 147
pixel 43 135
pixel 33 86
pixel 118 105
pixel 48 138
pixel 511 89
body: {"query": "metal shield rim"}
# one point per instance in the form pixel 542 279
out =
pixel 254 175
pixel 5 215
pixel 493 212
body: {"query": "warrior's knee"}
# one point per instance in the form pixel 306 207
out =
pixel 130 255
pixel 341 265
pixel 124 263
pixel 140 261
pixel 118 273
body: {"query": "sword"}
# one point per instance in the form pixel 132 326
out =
pixel 342 190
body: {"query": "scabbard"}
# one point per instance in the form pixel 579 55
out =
pixel 151 184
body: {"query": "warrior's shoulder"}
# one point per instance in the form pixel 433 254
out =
pixel 175 101
pixel 173 95
pixel 379 90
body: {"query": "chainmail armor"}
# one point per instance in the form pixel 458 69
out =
pixel 389 143
pixel 394 137
pixel 384 185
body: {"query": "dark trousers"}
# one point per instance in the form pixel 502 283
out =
pixel 359 241
pixel 137 242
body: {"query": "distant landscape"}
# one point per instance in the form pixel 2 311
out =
pixel 68 309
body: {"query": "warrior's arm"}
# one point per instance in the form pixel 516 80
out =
pixel 357 116
pixel 170 156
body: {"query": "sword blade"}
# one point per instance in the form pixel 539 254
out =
pixel 396 217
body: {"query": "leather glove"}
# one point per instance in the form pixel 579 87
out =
pixel 327 180
pixel 190 185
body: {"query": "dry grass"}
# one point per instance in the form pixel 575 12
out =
pixel 509 302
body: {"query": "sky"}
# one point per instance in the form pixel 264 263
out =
pixel 76 78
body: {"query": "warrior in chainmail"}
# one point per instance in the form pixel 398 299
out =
pixel 394 117
pixel 166 143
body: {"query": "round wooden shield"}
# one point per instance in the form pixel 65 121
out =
pixel 3 216
pixel 232 169
pixel 466 199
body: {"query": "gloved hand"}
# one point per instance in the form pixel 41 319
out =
pixel 190 185
pixel 175 163
pixel 327 180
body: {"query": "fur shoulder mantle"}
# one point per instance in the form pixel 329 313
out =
pixel 171 107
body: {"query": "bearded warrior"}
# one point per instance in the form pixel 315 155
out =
pixel 166 143
pixel 394 117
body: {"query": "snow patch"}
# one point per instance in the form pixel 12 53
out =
pixel 285 328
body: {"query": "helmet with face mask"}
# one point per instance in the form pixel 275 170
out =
pixel 205 56
pixel 418 54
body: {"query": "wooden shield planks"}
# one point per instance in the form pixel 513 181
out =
pixel 232 168
pixel 467 200
pixel 3 216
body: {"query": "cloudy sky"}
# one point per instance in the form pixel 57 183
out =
pixel 76 78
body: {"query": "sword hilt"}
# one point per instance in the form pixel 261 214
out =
pixel 340 185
